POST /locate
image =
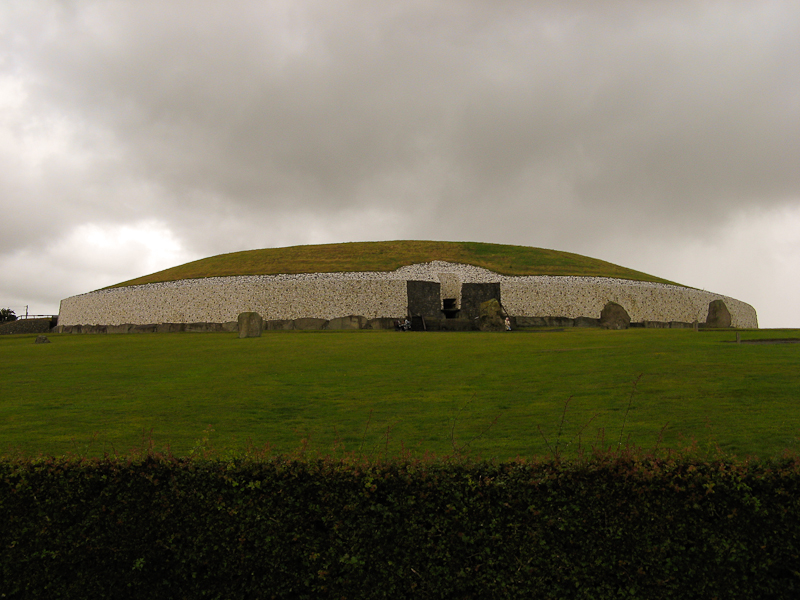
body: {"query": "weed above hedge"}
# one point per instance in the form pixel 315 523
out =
pixel 609 525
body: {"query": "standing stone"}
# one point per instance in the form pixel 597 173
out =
pixel 614 316
pixel 250 324
pixel 718 315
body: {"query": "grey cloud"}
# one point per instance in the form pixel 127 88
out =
pixel 208 99
pixel 501 121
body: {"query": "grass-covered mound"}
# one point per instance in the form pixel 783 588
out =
pixel 388 256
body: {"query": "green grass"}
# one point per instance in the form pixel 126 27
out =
pixel 427 391
pixel 388 256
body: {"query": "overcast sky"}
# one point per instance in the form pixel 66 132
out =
pixel 663 136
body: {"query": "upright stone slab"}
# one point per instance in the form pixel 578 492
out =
pixel 718 314
pixel 424 299
pixel 250 324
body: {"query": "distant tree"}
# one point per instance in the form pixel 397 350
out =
pixel 6 314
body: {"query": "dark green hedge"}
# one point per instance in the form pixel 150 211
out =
pixel 607 527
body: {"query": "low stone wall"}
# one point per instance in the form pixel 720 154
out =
pixel 25 326
pixel 331 296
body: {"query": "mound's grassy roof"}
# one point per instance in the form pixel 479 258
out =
pixel 388 256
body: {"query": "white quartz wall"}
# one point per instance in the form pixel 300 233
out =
pixel 585 297
pixel 374 295
pixel 451 287
pixel 221 299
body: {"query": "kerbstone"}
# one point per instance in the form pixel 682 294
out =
pixel 585 322
pixel 349 322
pixel 382 323
pixel 310 323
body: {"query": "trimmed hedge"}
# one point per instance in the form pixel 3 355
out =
pixel 612 526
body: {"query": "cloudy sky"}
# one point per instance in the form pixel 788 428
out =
pixel 663 136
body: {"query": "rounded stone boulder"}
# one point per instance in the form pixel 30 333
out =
pixel 614 316
pixel 718 314
pixel 492 316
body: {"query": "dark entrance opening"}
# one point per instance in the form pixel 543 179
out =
pixel 449 308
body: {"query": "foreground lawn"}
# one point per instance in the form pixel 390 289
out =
pixel 496 395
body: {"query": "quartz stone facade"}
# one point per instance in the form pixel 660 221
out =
pixel 375 295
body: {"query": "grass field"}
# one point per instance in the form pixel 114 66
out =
pixel 388 256
pixel 488 393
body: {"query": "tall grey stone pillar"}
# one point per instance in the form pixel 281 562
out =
pixel 250 324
